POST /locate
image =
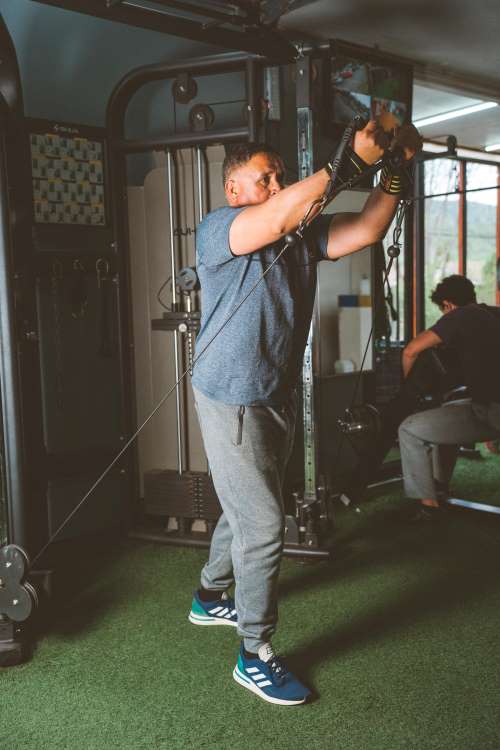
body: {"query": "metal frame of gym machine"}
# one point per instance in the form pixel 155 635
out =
pixel 19 386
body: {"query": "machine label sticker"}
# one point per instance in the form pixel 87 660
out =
pixel 68 179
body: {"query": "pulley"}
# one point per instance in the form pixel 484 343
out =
pixel 184 88
pixel 187 279
pixel 18 598
pixel 201 117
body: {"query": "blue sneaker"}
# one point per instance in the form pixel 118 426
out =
pixel 268 677
pixel 219 612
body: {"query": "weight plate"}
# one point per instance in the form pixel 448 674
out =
pixel 16 603
pixel 14 562
pixel 187 279
pixel 32 592
pixel 17 599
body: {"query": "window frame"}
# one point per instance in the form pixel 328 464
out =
pixel 415 292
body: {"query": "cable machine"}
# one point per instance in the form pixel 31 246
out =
pixel 182 497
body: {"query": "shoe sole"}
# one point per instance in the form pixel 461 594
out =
pixel 241 680
pixel 197 620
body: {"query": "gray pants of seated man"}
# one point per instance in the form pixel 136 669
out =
pixel 248 454
pixel 429 442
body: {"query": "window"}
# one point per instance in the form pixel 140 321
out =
pixel 461 218
pixel 441 222
pixel 481 209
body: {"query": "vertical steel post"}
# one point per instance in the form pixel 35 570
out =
pixel 200 176
pixel 253 124
pixel 409 246
pixel 305 164
pixel 9 386
pixel 419 259
pixel 173 271
pixel 462 219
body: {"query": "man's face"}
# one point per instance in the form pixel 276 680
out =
pixel 254 182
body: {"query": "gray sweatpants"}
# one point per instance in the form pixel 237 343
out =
pixel 429 442
pixel 248 449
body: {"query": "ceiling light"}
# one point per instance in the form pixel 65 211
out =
pixel 455 113
pixel 493 147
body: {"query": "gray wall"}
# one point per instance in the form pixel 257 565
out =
pixel 71 62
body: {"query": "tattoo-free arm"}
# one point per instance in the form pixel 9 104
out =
pixel 350 232
pixel 258 226
pixel 424 340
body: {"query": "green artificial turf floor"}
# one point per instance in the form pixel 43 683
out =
pixel 398 635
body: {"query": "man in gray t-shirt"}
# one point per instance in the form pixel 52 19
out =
pixel 245 378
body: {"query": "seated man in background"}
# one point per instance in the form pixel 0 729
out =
pixel 429 440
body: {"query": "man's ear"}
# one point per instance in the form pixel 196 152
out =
pixel 231 190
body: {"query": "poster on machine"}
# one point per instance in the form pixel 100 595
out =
pixel 68 177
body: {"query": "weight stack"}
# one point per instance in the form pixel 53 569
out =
pixel 188 495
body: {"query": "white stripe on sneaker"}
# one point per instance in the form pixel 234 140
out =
pixel 215 610
pixel 264 683
pixel 224 611
pixel 251 670
pixel 259 676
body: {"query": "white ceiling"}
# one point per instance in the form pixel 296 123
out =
pixel 473 131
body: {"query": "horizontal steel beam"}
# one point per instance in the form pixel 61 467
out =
pixel 181 140
pixel 178 540
pixel 260 41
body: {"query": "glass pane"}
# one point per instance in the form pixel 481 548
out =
pixel 482 230
pixel 441 228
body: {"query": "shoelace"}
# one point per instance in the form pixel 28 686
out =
pixel 278 669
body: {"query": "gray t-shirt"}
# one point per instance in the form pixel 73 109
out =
pixel 257 358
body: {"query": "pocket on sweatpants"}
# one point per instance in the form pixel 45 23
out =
pixel 239 425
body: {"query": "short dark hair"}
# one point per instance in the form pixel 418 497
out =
pixel 241 153
pixel 457 289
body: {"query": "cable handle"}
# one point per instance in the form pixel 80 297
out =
pixel 356 124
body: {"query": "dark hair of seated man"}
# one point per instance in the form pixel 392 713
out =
pixel 456 289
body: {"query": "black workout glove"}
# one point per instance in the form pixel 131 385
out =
pixel 351 165
pixel 396 176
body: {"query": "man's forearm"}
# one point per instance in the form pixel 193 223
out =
pixel 351 232
pixel 378 213
pixel 407 361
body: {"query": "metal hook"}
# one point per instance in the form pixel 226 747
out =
pixel 102 265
